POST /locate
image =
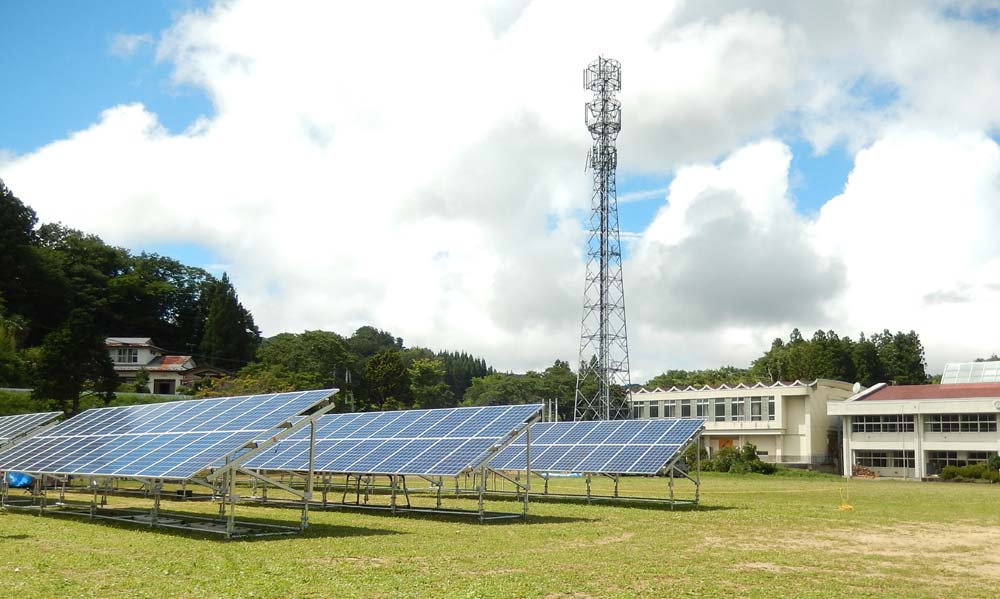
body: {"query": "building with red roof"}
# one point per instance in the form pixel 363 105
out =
pixel 913 431
pixel 167 373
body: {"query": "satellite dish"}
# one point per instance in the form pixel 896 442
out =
pixel 857 387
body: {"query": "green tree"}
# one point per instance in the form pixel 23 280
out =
pixel 427 386
pixel 141 382
pixel 73 360
pixel 386 381
pixel 902 355
pixel 368 341
pixel 728 375
pixel 502 389
pixel 317 359
pixel 231 337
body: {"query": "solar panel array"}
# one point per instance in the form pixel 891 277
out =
pixel 443 442
pixel 971 372
pixel 15 426
pixel 174 440
pixel 608 447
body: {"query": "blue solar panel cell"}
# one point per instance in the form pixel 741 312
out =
pixel 427 442
pixel 13 427
pixel 613 447
pixel 626 431
pixel 169 440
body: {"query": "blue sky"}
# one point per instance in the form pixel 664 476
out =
pixel 890 79
pixel 66 74
pixel 59 63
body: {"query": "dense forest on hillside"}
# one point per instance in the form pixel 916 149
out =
pixel 885 357
pixel 62 292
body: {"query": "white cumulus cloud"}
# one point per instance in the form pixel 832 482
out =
pixel 420 167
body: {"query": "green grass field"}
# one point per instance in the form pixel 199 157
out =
pixel 754 536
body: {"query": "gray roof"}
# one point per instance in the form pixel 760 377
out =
pixel 128 341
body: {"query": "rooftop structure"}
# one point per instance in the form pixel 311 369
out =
pixel 971 372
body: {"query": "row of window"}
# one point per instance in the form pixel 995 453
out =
pixel 936 460
pixel 961 423
pixel 898 423
pixel 933 423
pixel 884 459
pixel 716 409
pixel 940 459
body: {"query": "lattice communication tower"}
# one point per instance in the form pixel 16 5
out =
pixel 602 384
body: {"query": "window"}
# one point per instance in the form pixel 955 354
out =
pixel 770 408
pixel 127 355
pixel 884 459
pixel 892 423
pixel 669 408
pixel 737 413
pixel 939 459
pixel 702 408
pixel 685 408
pixel 720 410
pixel 654 409
pixel 755 413
pixel 961 423
pixel 637 410
pixel 871 459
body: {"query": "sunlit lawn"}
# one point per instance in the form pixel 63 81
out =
pixel 753 536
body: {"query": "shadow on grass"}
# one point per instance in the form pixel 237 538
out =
pixel 14 537
pixel 428 513
pixel 194 520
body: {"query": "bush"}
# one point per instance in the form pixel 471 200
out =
pixel 972 471
pixel 738 461
pixel 691 454
pixel 994 462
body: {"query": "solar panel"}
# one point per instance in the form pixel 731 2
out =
pixel 610 446
pixel 443 442
pixel 971 372
pixel 173 440
pixel 12 427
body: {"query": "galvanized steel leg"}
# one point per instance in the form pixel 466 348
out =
pixel 527 470
pixel 482 511
pixel 231 521
pixel 307 496
pixel 156 503
pixel 671 484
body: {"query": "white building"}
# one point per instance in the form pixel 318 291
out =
pixel 913 431
pixel 166 372
pixel 787 422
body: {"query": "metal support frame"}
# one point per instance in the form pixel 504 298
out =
pixel 364 486
pixel 222 482
pixel 671 471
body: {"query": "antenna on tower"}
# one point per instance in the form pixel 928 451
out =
pixel 603 381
